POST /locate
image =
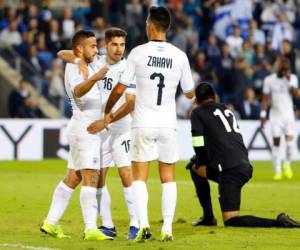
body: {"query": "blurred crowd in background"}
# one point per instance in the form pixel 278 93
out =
pixel 232 44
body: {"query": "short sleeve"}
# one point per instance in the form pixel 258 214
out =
pixel 266 86
pixel 74 75
pixel 186 80
pixel 129 73
pixel 131 89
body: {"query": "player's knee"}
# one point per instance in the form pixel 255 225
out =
pixel 126 176
pixel 72 181
pixel 276 141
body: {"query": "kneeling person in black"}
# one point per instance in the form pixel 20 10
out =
pixel 222 157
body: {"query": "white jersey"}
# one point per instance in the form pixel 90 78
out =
pixel 107 84
pixel 158 68
pixel 279 91
pixel 88 107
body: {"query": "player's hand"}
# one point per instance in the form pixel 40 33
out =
pixel 101 73
pixel 96 126
pixel 262 122
pixel 107 119
pixel 83 69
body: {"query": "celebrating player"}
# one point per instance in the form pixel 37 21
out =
pixel 84 158
pixel 158 67
pixel 115 141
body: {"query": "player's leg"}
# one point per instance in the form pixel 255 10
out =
pixel 276 154
pixel 103 195
pixel 289 131
pixel 104 205
pixel 202 186
pixel 142 152
pixel 127 179
pixel 230 186
pixel 121 157
pixel 60 201
pixel 88 161
pixel 168 156
pixel 140 171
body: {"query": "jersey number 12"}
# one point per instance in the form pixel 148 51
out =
pixel 224 119
pixel 160 85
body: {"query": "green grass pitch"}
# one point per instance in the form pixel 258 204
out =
pixel 26 190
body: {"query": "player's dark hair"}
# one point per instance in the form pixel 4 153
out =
pixel 114 32
pixel 80 36
pixel 204 91
pixel 284 66
pixel 161 18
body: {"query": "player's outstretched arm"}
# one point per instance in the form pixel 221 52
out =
pixel 125 109
pixel 69 57
pixel 84 87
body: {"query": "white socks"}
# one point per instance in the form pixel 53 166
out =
pixel 140 194
pixel 88 203
pixel 288 152
pixel 276 159
pixel 168 202
pixel 129 198
pixel 104 202
pixel 60 201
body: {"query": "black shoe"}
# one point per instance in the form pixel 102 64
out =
pixel 111 232
pixel 205 222
pixel 286 221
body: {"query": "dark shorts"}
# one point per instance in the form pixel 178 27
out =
pixel 231 182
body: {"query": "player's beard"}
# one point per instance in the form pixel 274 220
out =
pixel 88 59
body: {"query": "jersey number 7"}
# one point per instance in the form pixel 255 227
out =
pixel 160 85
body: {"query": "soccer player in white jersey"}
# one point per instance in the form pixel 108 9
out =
pixel 158 67
pixel 114 141
pixel 84 159
pixel 278 91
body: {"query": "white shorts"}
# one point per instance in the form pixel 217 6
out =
pixel 84 148
pixel 154 143
pixel 281 126
pixel 115 149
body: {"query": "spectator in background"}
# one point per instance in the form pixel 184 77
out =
pixel 21 104
pixel 68 25
pixel 235 42
pixel 53 37
pixel 288 52
pixel 257 36
pixel 247 52
pixel 268 16
pixel 10 35
pixel 225 75
pixel 282 31
pixel 204 67
pixel 56 90
pixel 99 27
pixel 212 49
pixel 249 108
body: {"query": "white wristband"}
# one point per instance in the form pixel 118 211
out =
pixel 263 114
pixel 77 60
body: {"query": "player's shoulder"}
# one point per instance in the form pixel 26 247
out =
pixel 294 77
pixel 71 68
pixel 270 77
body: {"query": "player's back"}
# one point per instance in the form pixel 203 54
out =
pixel 159 67
pixel 222 136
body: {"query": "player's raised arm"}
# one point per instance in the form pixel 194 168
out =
pixel 69 57
pixel 115 95
pixel 84 87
